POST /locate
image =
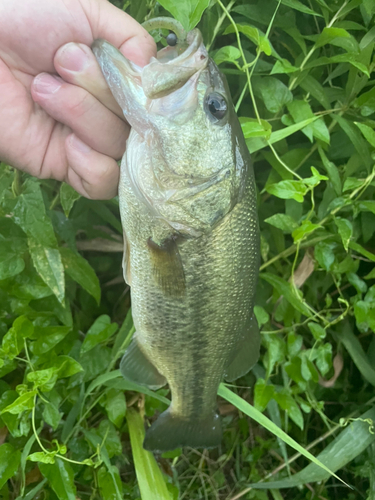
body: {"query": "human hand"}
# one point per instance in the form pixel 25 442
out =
pixel 65 127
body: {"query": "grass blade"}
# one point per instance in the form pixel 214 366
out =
pixel 256 415
pixel 150 479
pixel 354 348
pixel 350 443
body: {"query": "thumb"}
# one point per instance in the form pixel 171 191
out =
pixel 121 30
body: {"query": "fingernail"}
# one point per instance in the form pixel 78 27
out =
pixel 78 144
pixel 73 57
pixel 46 83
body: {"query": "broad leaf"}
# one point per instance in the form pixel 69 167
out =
pixel 10 459
pixel 60 477
pixel 80 271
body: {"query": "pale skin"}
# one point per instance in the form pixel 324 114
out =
pixel 58 119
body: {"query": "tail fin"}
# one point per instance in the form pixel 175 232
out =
pixel 170 432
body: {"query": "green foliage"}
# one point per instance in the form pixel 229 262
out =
pixel 300 74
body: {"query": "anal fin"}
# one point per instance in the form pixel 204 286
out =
pixel 246 352
pixel 136 367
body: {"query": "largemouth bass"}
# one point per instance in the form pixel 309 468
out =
pixel 188 210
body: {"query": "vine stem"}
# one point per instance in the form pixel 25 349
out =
pixel 313 49
pixel 243 59
pixel 218 24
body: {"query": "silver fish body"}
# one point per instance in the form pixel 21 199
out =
pixel 188 209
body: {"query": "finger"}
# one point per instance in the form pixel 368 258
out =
pixel 77 65
pixel 76 108
pixel 122 31
pixel 90 173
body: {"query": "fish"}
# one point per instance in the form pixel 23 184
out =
pixel 188 208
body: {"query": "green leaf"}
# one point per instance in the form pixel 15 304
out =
pixel 332 172
pixel 42 457
pixel 60 477
pixel 66 366
pixel 324 254
pixel 100 331
pixel 11 260
pixel 323 359
pixel 68 196
pixel 252 34
pixel 367 205
pixel 106 214
pixel 283 66
pixel 44 379
pixel 276 352
pixel 227 54
pixel 365 316
pixel 297 5
pixel 256 415
pixel 304 230
pixel 368 133
pixel 48 337
pixel 188 12
pixel 252 128
pixel 13 340
pixel 107 437
pixel 30 215
pixel 150 479
pixel 106 482
pixel 115 405
pixel 80 271
pixel 287 403
pixel 10 459
pixel 123 337
pixel 263 393
pixel 24 402
pixel 355 137
pixel 47 262
pixel 274 93
pixel 366 102
pixel 255 144
pixel 359 248
pixel 318 332
pixel 345 230
pixel 310 85
pixel 283 222
pixel 300 111
pixel 261 315
pixel 329 34
pixel 340 58
pixel 287 190
pixel 286 290
pixel 51 415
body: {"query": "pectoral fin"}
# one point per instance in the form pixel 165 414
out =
pixel 167 266
pixel 136 367
pixel 246 353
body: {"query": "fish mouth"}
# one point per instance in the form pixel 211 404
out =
pixel 170 70
pixel 162 75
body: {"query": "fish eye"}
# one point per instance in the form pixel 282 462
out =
pixel 172 39
pixel 216 105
